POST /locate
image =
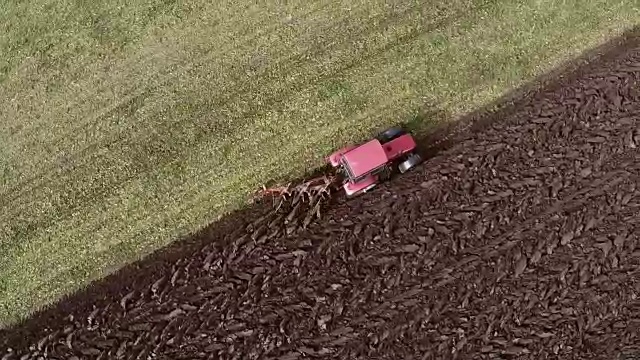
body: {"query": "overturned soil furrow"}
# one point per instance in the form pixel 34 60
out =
pixel 520 241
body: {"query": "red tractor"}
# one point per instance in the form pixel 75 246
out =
pixel 363 166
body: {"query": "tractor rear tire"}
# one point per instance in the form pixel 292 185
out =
pixel 412 161
pixel 385 174
pixel 365 190
pixel 390 134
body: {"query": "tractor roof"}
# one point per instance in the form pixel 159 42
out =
pixel 365 158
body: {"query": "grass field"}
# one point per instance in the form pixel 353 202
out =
pixel 126 124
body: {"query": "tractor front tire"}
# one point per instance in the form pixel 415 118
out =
pixel 412 161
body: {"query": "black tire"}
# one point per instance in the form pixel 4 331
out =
pixel 390 134
pixel 385 174
pixel 409 163
pixel 363 191
pixel 342 173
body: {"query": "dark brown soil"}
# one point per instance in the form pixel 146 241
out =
pixel 521 241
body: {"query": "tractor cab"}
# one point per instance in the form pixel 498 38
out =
pixel 367 159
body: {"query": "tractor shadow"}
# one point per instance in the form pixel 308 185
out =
pixel 434 129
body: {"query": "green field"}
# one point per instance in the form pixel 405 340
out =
pixel 125 124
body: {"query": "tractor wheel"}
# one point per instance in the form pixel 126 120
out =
pixel 385 174
pixel 363 190
pixel 412 161
pixel 342 173
pixel 390 134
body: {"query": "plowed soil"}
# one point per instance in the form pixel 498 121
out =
pixel 520 241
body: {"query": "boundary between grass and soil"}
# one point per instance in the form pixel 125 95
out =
pixel 116 285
